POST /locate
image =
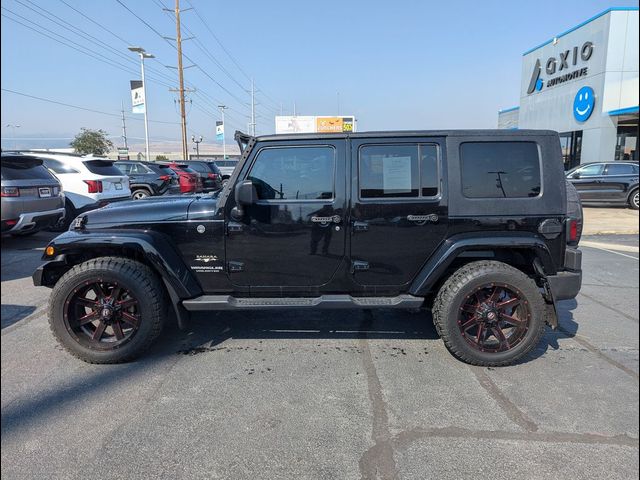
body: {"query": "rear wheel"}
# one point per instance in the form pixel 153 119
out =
pixel 140 194
pixel 634 200
pixel 107 310
pixel 489 314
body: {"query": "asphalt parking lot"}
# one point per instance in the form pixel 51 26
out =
pixel 326 395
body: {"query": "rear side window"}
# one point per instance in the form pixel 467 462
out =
pixel 622 169
pixel 57 166
pixel 398 171
pixel 167 170
pixel 102 167
pixel 124 167
pixel 199 167
pixel 15 171
pixel 294 173
pixel 500 169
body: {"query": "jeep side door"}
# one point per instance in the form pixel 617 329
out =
pixel 292 238
pixel 398 215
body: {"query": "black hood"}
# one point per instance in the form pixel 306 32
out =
pixel 173 208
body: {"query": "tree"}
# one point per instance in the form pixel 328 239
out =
pixel 91 142
pixel 162 158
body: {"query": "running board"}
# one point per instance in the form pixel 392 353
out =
pixel 227 302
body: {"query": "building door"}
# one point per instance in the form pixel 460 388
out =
pixel 294 234
pixel 397 216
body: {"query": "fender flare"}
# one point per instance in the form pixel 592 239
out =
pixel 157 249
pixel 451 249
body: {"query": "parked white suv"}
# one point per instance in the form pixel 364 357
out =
pixel 88 182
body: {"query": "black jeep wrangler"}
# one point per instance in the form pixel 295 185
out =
pixel 472 225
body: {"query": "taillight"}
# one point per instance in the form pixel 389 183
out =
pixel 573 230
pixel 10 192
pixel 213 175
pixel 164 178
pixel 12 222
pixel 95 186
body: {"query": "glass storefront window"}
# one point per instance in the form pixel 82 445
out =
pixel 627 143
pixel 571 144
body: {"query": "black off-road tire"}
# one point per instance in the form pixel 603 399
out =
pixel 634 200
pixel 450 298
pixel 136 277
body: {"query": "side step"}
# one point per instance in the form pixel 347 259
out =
pixel 227 302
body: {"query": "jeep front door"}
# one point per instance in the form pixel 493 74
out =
pixel 398 218
pixel 293 236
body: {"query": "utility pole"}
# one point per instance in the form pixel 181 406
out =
pixel 294 109
pixel 338 95
pixel 252 125
pixel 224 127
pixel 124 126
pixel 183 115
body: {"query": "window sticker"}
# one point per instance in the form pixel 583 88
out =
pixel 396 174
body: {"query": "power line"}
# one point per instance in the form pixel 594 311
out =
pixel 80 108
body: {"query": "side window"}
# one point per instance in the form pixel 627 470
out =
pixel 58 167
pixel 591 170
pixel 124 167
pixel 398 171
pixel 500 169
pixel 294 173
pixel 620 169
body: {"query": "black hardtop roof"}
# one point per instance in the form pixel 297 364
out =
pixel 411 133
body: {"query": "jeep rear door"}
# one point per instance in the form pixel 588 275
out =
pixel 398 214
pixel 293 236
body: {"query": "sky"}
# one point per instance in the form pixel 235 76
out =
pixel 394 65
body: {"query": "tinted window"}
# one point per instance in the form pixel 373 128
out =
pixel 500 169
pixel 28 171
pixel 398 171
pixel 124 167
pixel 138 168
pixel 591 170
pixel 167 170
pixel 297 173
pixel 102 167
pixel 622 169
pixel 58 167
pixel 199 167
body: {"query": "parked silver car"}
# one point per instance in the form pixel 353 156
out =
pixel 32 198
pixel 226 167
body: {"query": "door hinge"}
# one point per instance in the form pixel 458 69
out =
pixel 235 267
pixel 359 266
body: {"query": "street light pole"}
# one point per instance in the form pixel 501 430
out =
pixel 13 133
pixel 197 142
pixel 140 51
pixel 224 127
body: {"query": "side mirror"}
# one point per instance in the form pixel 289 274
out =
pixel 245 194
pixel 575 175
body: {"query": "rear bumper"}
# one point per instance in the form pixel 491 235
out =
pixel 567 283
pixel 30 221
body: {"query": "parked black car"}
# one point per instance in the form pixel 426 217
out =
pixel 614 183
pixel 471 225
pixel 149 178
pixel 208 172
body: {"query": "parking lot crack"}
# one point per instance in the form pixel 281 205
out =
pixel 510 408
pixel 377 462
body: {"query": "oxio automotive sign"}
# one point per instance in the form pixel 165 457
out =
pixel 565 60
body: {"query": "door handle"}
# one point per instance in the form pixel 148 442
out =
pixel 432 217
pixel 360 227
pixel 333 219
pixel 234 227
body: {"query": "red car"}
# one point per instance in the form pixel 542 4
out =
pixel 190 181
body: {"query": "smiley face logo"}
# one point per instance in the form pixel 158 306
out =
pixel 584 104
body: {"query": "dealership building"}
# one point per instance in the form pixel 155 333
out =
pixel 583 83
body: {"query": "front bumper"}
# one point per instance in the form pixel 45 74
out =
pixel 566 284
pixel 30 221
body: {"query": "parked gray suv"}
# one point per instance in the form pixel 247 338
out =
pixel 32 198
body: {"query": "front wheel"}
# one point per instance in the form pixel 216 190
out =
pixel 489 314
pixel 107 309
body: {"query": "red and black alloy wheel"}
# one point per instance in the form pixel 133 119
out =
pixel 102 315
pixel 494 318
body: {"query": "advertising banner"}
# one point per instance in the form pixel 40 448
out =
pixel 315 124
pixel 219 131
pixel 137 96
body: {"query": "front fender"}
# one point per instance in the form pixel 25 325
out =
pixel 156 248
pixel 451 249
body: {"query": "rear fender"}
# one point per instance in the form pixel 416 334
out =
pixel 452 248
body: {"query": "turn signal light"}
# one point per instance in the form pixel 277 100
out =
pixel 49 251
